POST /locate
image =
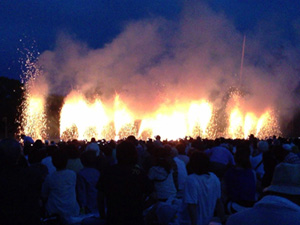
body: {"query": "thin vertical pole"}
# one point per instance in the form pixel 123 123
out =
pixel 242 60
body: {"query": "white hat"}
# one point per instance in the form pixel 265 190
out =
pixel 286 179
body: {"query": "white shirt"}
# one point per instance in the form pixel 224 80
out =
pixel 163 182
pixel 59 188
pixel 202 190
pixel 182 175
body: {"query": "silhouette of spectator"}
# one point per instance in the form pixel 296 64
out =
pixel 240 181
pixel 125 187
pixel 74 162
pixel 162 175
pixel 202 193
pixel 221 159
pixel 20 187
pixel 87 179
pixel 59 189
pixel 281 204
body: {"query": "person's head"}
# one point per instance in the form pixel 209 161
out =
pixel 59 160
pixel 263 146
pixel 242 156
pixel 199 163
pixel 71 150
pixel 88 159
pixel 126 153
pixel 10 152
pixel 162 157
pixel 38 144
pixel 286 182
pixel 132 139
pixel 37 155
pixel 181 148
pixel 280 152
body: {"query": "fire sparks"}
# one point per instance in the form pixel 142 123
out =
pixel 34 118
pixel 83 119
pixel 89 119
pixel 33 121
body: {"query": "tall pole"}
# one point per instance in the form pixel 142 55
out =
pixel 242 60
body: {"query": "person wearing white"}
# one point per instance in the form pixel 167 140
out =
pixel 202 191
pixel 163 182
pixel 59 189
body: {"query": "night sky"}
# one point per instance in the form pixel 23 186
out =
pixel 36 24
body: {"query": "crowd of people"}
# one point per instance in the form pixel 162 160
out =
pixel 135 182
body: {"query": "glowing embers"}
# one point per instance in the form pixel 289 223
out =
pixel 34 118
pixel 241 126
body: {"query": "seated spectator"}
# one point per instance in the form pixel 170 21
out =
pixel 202 193
pixel 87 179
pixel 59 189
pixel 162 175
pixel 240 181
pixel 20 187
pixel 281 204
pixel 125 187
pixel 256 158
pixel 181 153
pixel 221 159
pixel 47 161
pixel 93 146
pixel 35 158
pixel 74 162
pixel 181 172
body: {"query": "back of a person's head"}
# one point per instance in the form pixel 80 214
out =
pixel 51 149
pixel 181 148
pixel 199 163
pixel 37 155
pixel 126 153
pixel 88 159
pixel 10 152
pixel 72 151
pixel 59 160
pixel 131 139
pixel 242 156
pixel 38 144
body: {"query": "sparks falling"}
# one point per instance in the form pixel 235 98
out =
pixel 82 119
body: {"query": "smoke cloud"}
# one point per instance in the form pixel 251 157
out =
pixel 156 61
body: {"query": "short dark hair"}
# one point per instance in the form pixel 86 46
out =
pixel 89 159
pixel 242 156
pixel 126 153
pixel 59 159
pixel 199 163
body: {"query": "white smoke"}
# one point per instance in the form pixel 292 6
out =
pixel 156 61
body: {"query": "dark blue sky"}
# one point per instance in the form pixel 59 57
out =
pixel 96 22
